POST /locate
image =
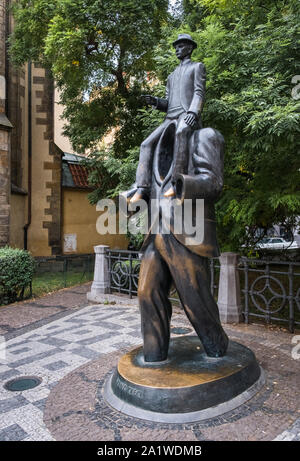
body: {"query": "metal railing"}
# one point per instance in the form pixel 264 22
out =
pixel 53 273
pixel 124 267
pixel 271 290
pixel 66 268
pixel 214 266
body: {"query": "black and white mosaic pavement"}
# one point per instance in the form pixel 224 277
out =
pixel 53 350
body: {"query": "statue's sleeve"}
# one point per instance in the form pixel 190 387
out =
pixel 199 89
pixel 162 103
pixel 208 157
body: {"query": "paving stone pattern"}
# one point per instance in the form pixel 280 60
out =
pixel 18 318
pixel 74 354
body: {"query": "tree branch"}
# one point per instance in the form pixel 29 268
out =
pixel 122 89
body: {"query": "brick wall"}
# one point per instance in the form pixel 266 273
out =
pixel 46 169
pixel 2 46
pixel 4 186
pixel 4 139
pixel 54 166
pixel 16 91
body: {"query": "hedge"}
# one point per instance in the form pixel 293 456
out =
pixel 16 271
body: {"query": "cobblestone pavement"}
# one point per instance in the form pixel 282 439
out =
pixel 19 317
pixel 74 354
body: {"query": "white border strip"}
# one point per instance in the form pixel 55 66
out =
pixel 178 418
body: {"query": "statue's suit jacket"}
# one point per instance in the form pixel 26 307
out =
pixel 206 155
pixel 203 181
pixel 192 88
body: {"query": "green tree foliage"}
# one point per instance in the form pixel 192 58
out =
pixel 251 52
pixel 99 52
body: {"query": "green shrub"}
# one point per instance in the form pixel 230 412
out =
pixel 16 271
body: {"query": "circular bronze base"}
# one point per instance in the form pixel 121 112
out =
pixel 188 386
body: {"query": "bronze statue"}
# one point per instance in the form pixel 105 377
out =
pixel 184 101
pixel 178 161
pixel 181 164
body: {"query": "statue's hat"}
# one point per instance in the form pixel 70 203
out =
pixel 185 37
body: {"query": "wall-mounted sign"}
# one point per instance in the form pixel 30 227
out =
pixel 70 243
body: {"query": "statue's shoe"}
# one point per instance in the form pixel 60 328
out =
pixel 128 194
pixel 170 192
pixel 141 194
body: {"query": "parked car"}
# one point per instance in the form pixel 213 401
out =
pixel 276 243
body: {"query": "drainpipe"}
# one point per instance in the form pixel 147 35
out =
pixel 29 156
pixel 7 32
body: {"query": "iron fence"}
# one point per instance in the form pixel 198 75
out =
pixel 61 271
pixel 214 266
pixel 55 272
pixel 271 290
pixel 124 267
pixel 66 265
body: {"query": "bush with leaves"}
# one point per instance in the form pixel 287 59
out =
pixel 16 271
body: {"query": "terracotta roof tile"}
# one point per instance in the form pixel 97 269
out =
pixel 79 174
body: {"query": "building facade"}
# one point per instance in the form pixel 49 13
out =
pixel 37 212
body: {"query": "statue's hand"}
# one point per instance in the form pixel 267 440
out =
pixel 151 100
pixel 190 119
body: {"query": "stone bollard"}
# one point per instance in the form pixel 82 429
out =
pixel 229 296
pixel 100 284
